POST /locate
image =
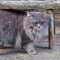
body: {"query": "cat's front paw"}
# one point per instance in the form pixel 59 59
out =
pixel 30 49
pixel 32 52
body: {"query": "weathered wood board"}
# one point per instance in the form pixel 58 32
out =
pixel 19 5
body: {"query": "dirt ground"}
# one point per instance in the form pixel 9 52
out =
pixel 43 53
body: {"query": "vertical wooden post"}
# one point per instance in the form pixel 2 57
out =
pixel 50 27
pixel 54 24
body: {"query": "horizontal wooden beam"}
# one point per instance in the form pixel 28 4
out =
pixel 19 5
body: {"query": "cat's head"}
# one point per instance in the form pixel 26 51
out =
pixel 37 20
pixel 38 25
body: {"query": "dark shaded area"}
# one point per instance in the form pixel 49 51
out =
pixel 13 51
pixel 23 12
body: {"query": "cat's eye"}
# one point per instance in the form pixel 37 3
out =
pixel 42 22
pixel 31 27
pixel 37 23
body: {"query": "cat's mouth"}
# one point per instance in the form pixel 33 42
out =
pixel 36 27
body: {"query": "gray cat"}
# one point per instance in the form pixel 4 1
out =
pixel 35 25
pixel 22 30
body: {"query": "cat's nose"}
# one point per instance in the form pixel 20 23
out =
pixel 38 26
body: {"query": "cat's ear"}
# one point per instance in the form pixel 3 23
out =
pixel 44 14
pixel 28 14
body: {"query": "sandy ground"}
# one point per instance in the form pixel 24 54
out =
pixel 43 53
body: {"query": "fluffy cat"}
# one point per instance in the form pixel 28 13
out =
pixel 22 30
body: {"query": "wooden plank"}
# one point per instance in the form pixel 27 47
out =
pixel 50 28
pixel 30 5
pixel 2 6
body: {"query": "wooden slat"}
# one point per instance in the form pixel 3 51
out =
pixel 30 5
pixel 2 6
